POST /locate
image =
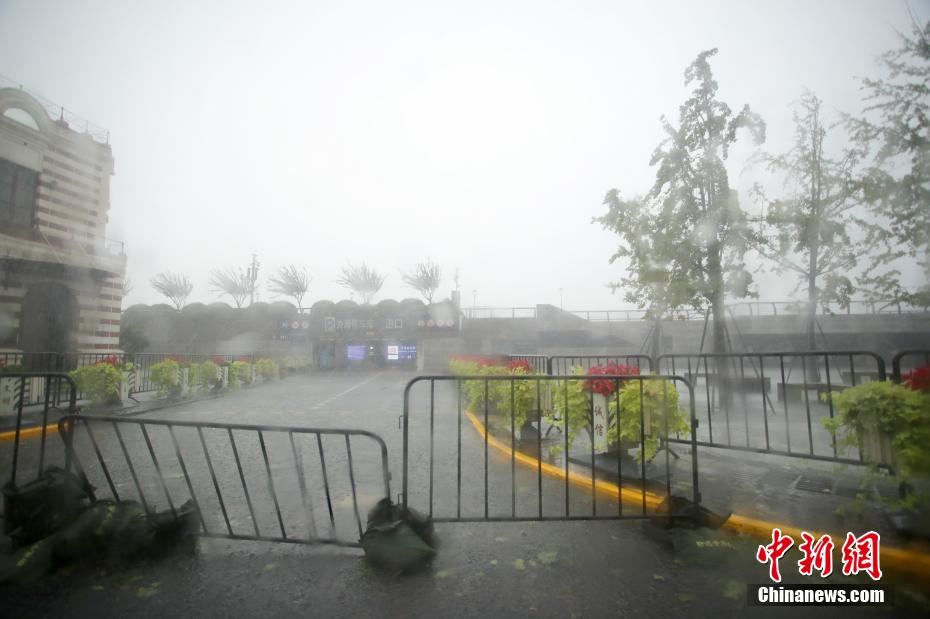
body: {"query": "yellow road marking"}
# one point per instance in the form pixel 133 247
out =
pixel 915 562
pixel 28 433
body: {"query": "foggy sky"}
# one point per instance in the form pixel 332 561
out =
pixel 483 135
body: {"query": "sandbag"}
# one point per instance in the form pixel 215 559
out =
pixel 105 530
pixel 398 538
pixel 40 508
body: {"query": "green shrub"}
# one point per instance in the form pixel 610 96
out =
pixel 165 376
pixel 657 403
pixel 99 382
pixel 239 373
pixel 267 368
pixel 885 407
pixel 205 374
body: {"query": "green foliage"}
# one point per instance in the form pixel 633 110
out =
pixel 204 374
pixel 571 406
pixel 684 242
pixel 656 401
pixel 267 368
pixel 240 373
pixel 132 339
pixel 885 407
pixel 165 376
pixel 516 399
pixel 893 136
pixel 99 382
pixel 807 231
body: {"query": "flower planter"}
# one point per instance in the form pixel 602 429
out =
pixel 876 448
pixel 127 385
pixel 222 376
pixel 184 375
pixel 9 394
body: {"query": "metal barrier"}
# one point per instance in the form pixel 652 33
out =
pixel 32 456
pixel 462 483
pixel 801 381
pixel 564 364
pixel 540 363
pixel 908 360
pixel 250 482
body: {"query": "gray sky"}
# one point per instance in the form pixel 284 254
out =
pixel 483 135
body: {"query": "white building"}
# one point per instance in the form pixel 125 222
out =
pixel 60 279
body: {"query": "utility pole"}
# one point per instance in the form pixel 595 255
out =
pixel 253 277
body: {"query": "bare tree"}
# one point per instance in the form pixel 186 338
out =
pixel 237 284
pixel 362 280
pixel 425 278
pixel 176 287
pixel 290 282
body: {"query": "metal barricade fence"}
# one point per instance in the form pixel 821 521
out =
pixel 539 363
pixel 450 474
pixel 251 482
pixel 29 458
pixel 739 410
pixel 565 364
pixel 907 361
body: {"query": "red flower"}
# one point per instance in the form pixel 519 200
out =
pixel 110 360
pixel 918 380
pixel 606 386
pixel 520 366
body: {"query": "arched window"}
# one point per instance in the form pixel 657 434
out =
pixel 22 117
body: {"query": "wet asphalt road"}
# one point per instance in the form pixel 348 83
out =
pixel 558 569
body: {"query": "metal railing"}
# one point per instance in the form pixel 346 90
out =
pixel 738 407
pixel 565 364
pixel 471 313
pixel 735 309
pixel 32 456
pixel 539 363
pixel 249 482
pixel 58 113
pixel 461 481
pixel 908 360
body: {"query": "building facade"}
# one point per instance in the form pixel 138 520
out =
pixel 61 280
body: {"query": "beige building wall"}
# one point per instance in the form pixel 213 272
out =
pixel 66 242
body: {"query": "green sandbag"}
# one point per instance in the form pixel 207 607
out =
pixel 398 539
pixel 28 564
pixel 35 510
pixel 105 530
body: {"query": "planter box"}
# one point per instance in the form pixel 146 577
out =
pixel 876 449
pixel 9 394
pixel 127 385
pixel 222 375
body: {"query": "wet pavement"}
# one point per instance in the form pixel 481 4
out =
pixel 563 569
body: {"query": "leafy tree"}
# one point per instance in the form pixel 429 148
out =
pixel 685 240
pixel 290 282
pixel 894 137
pixel 807 231
pixel 174 286
pixel 236 284
pixel 425 278
pixel 362 280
